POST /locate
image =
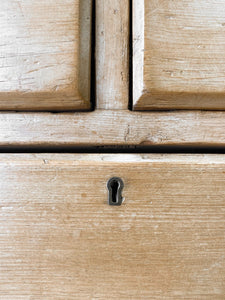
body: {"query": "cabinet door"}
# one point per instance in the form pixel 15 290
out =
pixel 178 54
pixel 59 238
pixel 45 56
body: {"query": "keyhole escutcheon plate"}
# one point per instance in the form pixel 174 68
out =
pixel 115 186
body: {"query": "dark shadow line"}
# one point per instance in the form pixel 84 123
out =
pixel 93 63
pixel 115 149
pixel 130 102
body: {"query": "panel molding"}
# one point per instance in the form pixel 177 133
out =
pixel 45 55
pixel 174 65
pixel 138 44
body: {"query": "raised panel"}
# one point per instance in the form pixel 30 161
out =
pixel 178 54
pixel 45 54
pixel 59 239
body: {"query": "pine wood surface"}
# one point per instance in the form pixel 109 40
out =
pixel 112 127
pixel 61 240
pixel 178 54
pixel 45 55
pixel 112 54
pixel 111 123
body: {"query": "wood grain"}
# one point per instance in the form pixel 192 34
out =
pixel 112 54
pixel 178 54
pixel 45 55
pixel 112 127
pixel 60 239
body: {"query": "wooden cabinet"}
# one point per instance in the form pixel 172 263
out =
pixel 178 60
pixel 45 55
pixel 60 239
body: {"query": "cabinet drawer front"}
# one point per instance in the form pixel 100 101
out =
pixel 45 55
pixel 59 238
pixel 178 54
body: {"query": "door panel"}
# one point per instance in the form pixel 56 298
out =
pixel 59 239
pixel 178 54
pixel 45 55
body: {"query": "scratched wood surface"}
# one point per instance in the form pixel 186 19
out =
pixel 60 239
pixel 112 127
pixel 112 54
pixel 45 54
pixel 179 60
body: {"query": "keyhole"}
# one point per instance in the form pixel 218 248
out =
pixel 115 186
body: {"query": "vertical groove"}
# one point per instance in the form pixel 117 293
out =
pixel 93 68
pixel 130 103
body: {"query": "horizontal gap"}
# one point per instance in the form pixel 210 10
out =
pixel 115 149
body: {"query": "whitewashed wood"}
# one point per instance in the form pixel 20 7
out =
pixel 45 54
pixel 112 54
pixel 116 127
pixel 178 54
pixel 60 239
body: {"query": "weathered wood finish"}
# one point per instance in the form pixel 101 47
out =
pixel 108 127
pixel 60 239
pixel 111 123
pixel 178 48
pixel 112 54
pixel 45 55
